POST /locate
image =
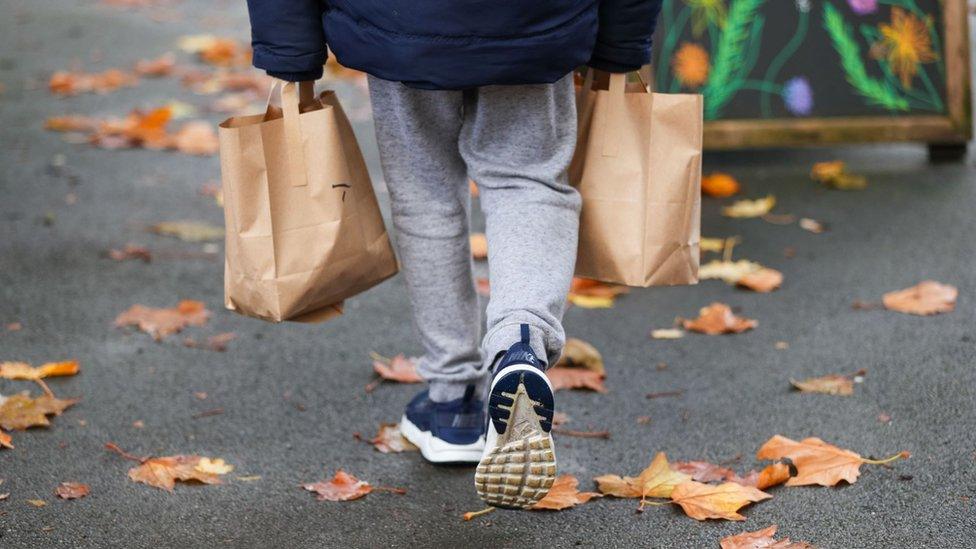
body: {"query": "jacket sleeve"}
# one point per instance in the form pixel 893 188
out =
pixel 287 38
pixel 623 43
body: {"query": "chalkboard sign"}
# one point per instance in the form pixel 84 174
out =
pixel 779 72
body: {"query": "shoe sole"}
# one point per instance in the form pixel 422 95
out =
pixel 438 451
pixel 521 467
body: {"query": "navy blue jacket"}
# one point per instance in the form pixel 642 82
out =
pixel 452 44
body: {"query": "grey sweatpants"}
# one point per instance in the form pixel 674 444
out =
pixel 516 143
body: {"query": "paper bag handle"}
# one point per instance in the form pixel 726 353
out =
pixel 291 99
pixel 616 111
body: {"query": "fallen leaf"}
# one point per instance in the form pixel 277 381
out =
pixel 656 481
pixel 22 370
pixel 817 462
pixel 5 440
pixel 560 418
pixel 667 333
pixel 719 185
pixel 76 82
pixel 575 378
pixel 189 231
pixel 389 440
pixel 342 487
pixel 763 281
pixel 717 319
pixel 729 271
pixel 71 123
pixel 37 502
pixel 216 343
pixel 219 52
pixel 472 514
pixel 761 539
pixel 20 411
pixel 834 174
pixel 564 494
pixel 163 472
pixel 479 246
pixel 703 471
pixel 196 138
pixel 925 298
pixel 131 251
pixel 215 466
pixel 72 490
pixel 593 294
pixel 160 323
pixel 399 368
pixel 716 245
pixel 812 225
pixel 707 501
pixel 833 384
pixel 773 475
pixel 163 65
pixel 580 354
pixel 750 208
pixel 14 326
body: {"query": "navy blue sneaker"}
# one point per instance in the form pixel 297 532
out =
pixel 446 432
pixel 519 464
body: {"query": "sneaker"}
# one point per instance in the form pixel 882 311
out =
pixel 446 432
pixel 519 464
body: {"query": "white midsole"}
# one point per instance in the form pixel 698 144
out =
pixel 438 451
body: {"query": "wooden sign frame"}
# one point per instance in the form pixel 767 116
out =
pixel 949 132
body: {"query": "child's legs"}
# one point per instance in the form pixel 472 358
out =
pixel 518 142
pixel 417 131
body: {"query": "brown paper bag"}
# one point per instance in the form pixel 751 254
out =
pixel 638 169
pixel 304 230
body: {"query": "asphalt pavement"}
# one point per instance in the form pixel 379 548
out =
pixel 291 396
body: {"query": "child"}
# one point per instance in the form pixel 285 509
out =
pixel 479 89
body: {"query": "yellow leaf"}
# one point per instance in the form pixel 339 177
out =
pixel 707 501
pixel 216 466
pixel 750 208
pixel 656 481
pixel 22 370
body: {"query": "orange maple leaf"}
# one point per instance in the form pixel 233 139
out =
pixel 399 368
pixel 818 462
pixel 718 319
pixel 342 487
pixel 564 494
pixel 160 323
pixel 575 378
pixel 658 480
pixel 925 298
pixel 72 490
pixel 389 439
pixel 719 185
pixel 761 539
pixel 708 501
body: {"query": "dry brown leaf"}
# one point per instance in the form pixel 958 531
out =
pixel 189 231
pixel 399 368
pixel 76 82
pixel 750 208
pixel 389 440
pixel 717 319
pixel 925 298
pixel 593 294
pixel 564 494
pixel 215 466
pixel 818 462
pixel 729 271
pixel 575 378
pixel 164 65
pixel 160 323
pixel 37 502
pixel 71 123
pixel 20 411
pixel 708 501
pixel 763 281
pixel 5 440
pixel 667 333
pixel 703 471
pixel 131 251
pixel 219 52
pixel 761 539
pixel 719 185
pixel 812 225
pixel 217 343
pixel 22 370
pixel 773 475
pixel 479 246
pixel 825 171
pixel 580 354
pixel 72 490
pixel 833 384
pixel 196 138
pixel 656 481
pixel 163 472
pixel 342 487
pixel 716 245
